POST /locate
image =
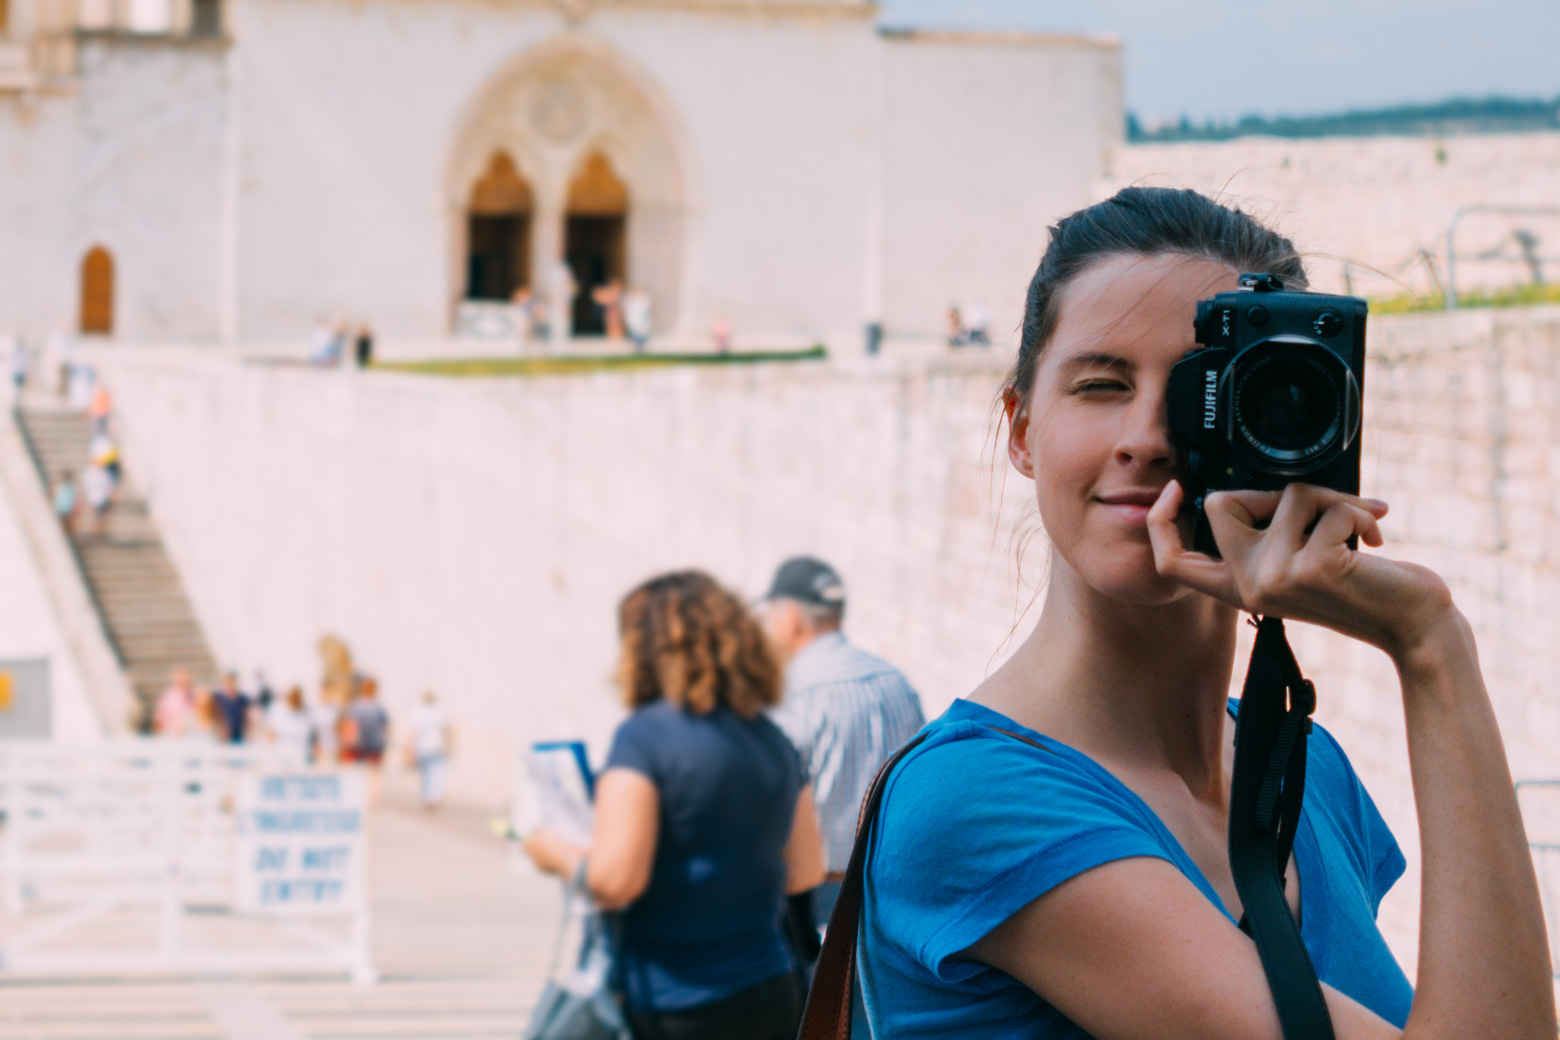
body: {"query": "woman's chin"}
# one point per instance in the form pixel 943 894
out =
pixel 1137 583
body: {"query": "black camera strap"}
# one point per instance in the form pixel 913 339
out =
pixel 1265 797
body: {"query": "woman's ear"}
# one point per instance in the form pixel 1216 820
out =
pixel 1019 455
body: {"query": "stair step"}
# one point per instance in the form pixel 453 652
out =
pixel 135 583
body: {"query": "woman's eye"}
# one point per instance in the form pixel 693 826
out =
pixel 1099 386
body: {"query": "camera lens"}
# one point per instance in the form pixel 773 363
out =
pixel 1289 406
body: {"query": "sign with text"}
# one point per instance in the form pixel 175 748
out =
pixel 300 843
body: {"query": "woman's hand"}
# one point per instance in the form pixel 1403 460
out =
pixel 552 853
pixel 1287 554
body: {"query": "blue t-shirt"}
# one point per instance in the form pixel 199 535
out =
pixel 975 825
pixel 708 925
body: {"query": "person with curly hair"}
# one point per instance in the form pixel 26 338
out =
pixel 703 823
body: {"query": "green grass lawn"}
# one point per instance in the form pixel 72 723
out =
pixel 1517 296
pixel 580 364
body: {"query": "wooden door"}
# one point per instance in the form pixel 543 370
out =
pixel 97 293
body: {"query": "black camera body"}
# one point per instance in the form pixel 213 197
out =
pixel 1273 397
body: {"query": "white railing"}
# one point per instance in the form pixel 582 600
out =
pixel 144 857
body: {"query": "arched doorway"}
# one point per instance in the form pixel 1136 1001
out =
pixel 97 292
pixel 498 232
pixel 595 237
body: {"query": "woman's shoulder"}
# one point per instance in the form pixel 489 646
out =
pixel 977 822
pixel 984 789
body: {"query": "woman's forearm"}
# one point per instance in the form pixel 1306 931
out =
pixel 1484 967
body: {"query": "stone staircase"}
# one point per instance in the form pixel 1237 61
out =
pixel 133 582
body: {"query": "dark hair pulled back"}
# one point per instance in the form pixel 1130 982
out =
pixel 1141 222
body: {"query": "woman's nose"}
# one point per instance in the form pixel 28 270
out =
pixel 1145 435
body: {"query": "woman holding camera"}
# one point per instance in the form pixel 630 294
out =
pixel 703 823
pixel 1082 888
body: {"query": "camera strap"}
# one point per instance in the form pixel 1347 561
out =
pixel 1265 798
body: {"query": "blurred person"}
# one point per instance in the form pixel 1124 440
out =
pixel 1053 861
pixel 366 726
pixel 561 290
pixel 325 733
pixel 63 349
pixel 288 725
pixel 103 451
pixel 97 488
pixel 636 318
pixel 206 721
pixel 21 361
pixel 978 323
pixel 174 714
pixel 363 346
pixel 957 337
pixel 233 706
pixel 429 727
pixel 100 410
pixel 324 343
pixel 720 331
pixel 844 709
pixel 264 695
pixel 609 298
pixel 82 380
pixel 524 307
pixel 703 822
pixel 66 500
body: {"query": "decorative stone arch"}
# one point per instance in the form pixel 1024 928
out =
pixel 498 232
pixel 551 109
pixel 97 292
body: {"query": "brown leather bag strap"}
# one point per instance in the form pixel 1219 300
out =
pixel 834 979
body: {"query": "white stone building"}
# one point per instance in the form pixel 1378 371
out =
pixel 232 170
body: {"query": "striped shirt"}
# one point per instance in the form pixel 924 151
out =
pixel 847 712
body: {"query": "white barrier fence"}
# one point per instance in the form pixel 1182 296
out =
pixel 158 857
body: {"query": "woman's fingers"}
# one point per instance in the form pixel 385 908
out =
pixel 1173 560
pixel 1341 521
pixel 1239 517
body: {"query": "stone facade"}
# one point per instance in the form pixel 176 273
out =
pixel 1379 208
pixel 473 537
pixel 786 165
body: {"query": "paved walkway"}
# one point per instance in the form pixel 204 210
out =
pixel 462 937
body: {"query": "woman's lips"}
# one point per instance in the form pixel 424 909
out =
pixel 1129 506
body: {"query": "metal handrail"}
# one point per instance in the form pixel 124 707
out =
pixel 1451 237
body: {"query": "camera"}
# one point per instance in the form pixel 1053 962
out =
pixel 1273 395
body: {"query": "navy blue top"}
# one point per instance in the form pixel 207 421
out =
pixel 708 925
pixel 975 825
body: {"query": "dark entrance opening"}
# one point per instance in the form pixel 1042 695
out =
pixel 595 239
pixel 495 255
pixel 206 19
pixel 498 233
pixel 595 255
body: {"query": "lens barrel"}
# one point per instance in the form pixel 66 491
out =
pixel 1293 403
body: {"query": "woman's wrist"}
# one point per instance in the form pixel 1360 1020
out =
pixel 1436 645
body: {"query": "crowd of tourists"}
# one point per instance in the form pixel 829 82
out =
pixel 325 730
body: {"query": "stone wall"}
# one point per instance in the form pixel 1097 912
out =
pixel 472 537
pixel 1371 204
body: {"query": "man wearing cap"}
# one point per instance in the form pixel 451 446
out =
pixel 844 709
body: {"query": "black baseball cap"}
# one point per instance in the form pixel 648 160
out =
pixel 807 579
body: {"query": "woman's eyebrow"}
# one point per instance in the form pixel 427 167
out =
pixel 1094 359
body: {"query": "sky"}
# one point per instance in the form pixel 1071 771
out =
pixel 1224 59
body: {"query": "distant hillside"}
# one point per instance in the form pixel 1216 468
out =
pixel 1455 116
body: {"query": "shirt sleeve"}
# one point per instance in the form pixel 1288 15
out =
pixel 635 747
pixel 1380 858
pixel 974 829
